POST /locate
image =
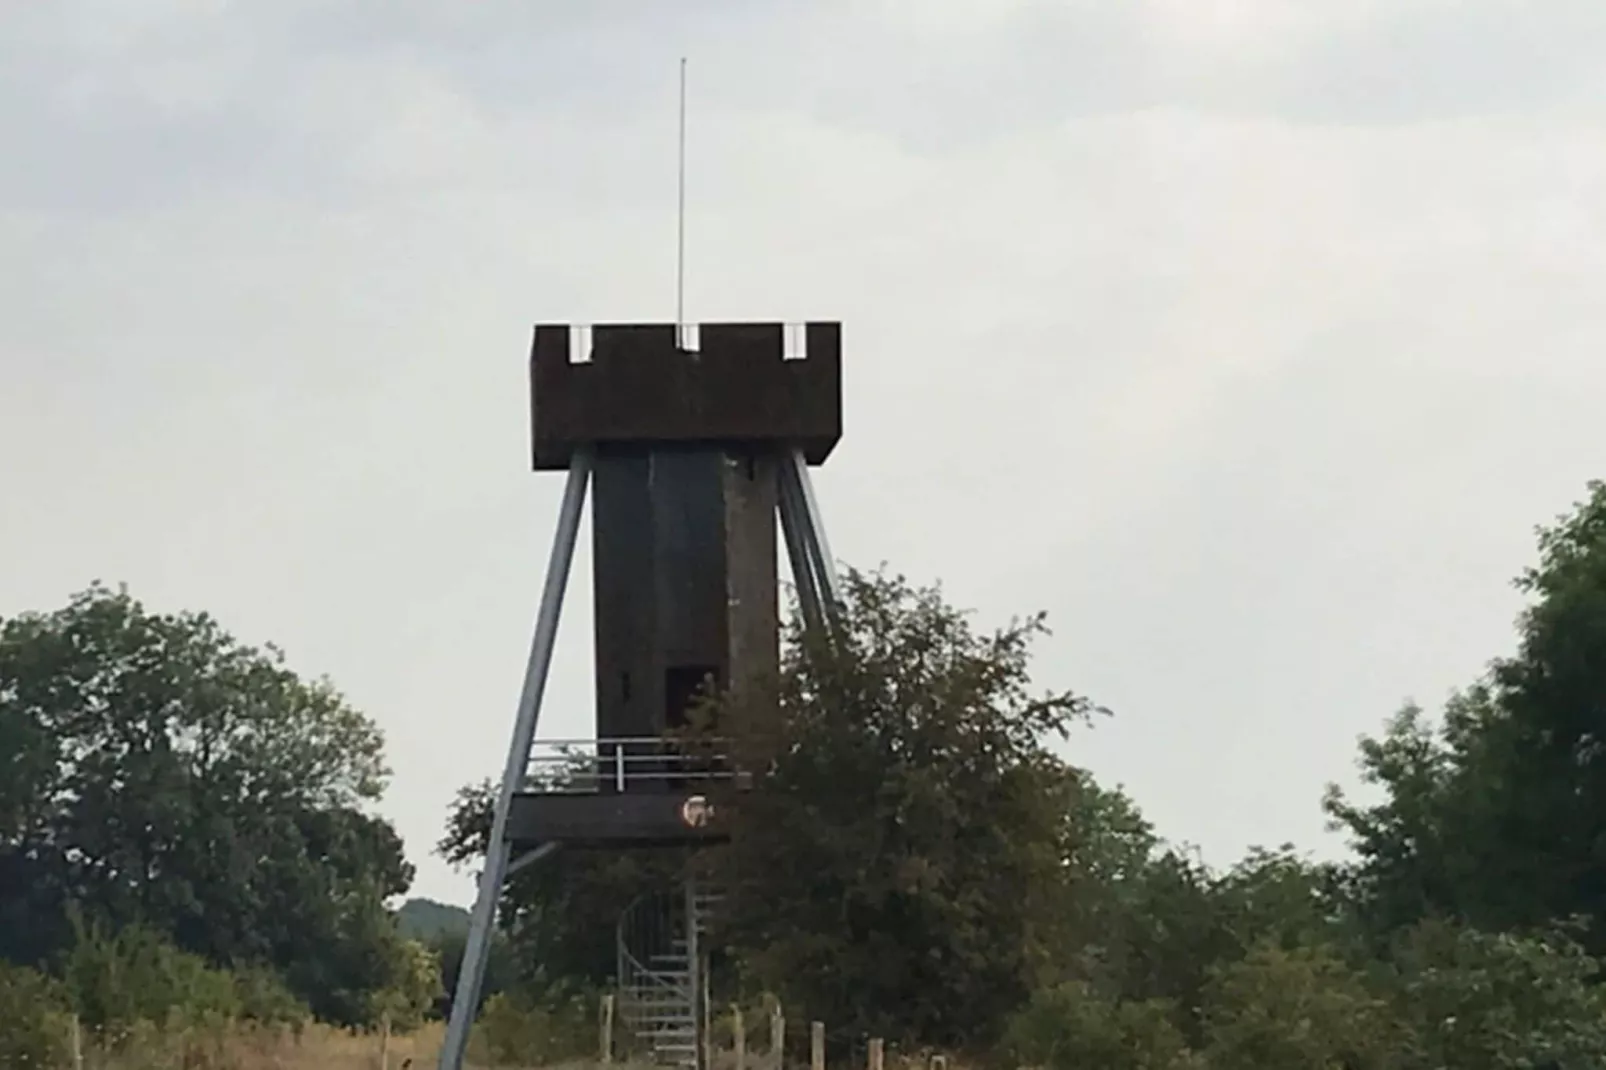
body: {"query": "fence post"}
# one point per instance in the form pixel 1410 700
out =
pixel 738 1036
pixel 384 1041
pixel 878 1054
pixel 75 1042
pixel 605 1030
pixel 816 1046
pixel 778 1035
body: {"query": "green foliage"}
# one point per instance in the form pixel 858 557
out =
pixel 1488 1001
pixel 1496 814
pixel 502 968
pixel 518 1030
pixel 264 998
pixel 1072 1027
pixel 1152 924
pixel 34 1020
pixel 417 990
pixel 134 975
pixel 900 872
pixel 1303 1008
pixel 154 771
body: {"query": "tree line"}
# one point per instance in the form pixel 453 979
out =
pixel 923 863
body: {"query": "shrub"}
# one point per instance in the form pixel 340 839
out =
pixel 34 1017
pixel 136 975
pixel 517 1030
pixel 416 990
pixel 265 998
pixel 1072 1027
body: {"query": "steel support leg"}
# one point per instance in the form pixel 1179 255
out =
pixel 471 975
pixel 806 538
pixel 793 523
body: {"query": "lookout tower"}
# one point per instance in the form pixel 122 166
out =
pixel 692 441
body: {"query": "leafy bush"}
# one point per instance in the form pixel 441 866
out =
pixel 417 989
pixel 135 975
pixel 1486 1001
pixel 1300 1007
pixel 1072 1027
pixel 516 1030
pixel 124 984
pixel 34 1017
pixel 266 999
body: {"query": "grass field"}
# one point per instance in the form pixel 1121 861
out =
pixel 324 1048
pixel 318 1048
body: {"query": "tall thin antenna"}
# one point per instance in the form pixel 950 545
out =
pixel 680 219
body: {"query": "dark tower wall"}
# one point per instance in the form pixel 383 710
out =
pixel 688 511
pixel 685 582
pixel 629 681
pixel 752 589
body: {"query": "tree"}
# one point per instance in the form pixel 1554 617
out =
pixel 1153 924
pixel 901 870
pixel 1497 815
pixel 158 772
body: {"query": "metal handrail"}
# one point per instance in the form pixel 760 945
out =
pixel 587 766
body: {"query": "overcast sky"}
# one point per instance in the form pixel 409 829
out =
pixel 1248 339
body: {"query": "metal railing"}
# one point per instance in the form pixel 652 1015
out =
pixel 590 766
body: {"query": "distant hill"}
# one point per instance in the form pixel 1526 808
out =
pixel 425 919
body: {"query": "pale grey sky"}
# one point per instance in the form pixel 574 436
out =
pixel 1249 339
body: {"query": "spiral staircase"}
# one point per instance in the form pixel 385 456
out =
pixel 662 971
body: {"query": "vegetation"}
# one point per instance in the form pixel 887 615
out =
pixel 187 846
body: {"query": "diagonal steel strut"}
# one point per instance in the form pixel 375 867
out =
pixel 471 975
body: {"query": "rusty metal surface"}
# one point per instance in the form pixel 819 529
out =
pixel 637 386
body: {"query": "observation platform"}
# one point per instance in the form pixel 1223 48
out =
pixel 639 792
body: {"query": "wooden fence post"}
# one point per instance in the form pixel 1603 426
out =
pixel 605 1030
pixel 738 1037
pixel 75 1042
pixel 816 1046
pixel 878 1054
pixel 384 1042
pixel 778 1035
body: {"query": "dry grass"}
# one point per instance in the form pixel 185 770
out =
pixel 318 1048
pixel 324 1048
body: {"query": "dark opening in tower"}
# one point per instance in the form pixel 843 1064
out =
pixel 685 688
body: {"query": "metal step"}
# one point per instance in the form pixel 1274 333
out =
pixel 658 1001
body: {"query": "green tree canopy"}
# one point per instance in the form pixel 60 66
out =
pixel 1497 815
pixel 154 770
pixel 901 870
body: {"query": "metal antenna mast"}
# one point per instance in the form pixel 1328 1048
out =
pixel 680 217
